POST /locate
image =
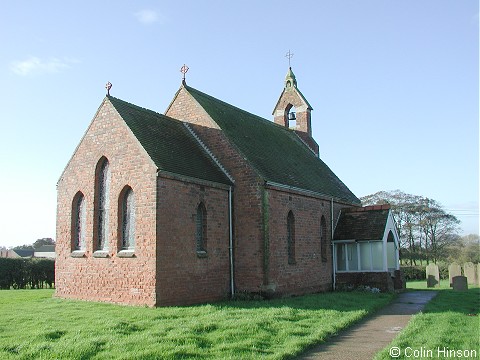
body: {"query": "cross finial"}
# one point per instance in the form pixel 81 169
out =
pixel 108 86
pixel 289 56
pixel 184 70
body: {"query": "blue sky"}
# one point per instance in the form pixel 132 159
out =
pixel 393 84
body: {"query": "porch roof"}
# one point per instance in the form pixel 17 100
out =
pixel 362 224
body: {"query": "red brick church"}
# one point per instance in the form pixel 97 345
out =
pixel 209 200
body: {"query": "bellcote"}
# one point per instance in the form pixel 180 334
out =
pixel 294 112
pixel 290 80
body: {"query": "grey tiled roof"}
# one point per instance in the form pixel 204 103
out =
pixel 274 151
pixel 362 223
pixel 168 143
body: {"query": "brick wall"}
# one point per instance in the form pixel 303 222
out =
pixel 185 277
pixel 247 195
pixel 303 127
pixel 111 279
pixel 309 273
pixel 303 115
pixel 379 280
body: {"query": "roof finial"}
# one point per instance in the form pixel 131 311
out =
pixel 108 86
pixel 289 56
pixel 184 70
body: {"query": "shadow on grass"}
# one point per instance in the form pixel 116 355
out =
pixel 337 301
pixel 448 300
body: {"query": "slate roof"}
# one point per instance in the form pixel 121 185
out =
pixel 169 143
pixel 24 252
pixel 46 248
pixel 276 152
pixel 367 223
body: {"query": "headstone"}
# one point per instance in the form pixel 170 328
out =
pixel 469 272
pixel 453 270
pixel 460 283
pixel 433 275
pixel 478 274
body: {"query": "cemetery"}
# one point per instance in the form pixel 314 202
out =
pixel 459 277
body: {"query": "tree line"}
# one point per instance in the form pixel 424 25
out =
pixel 427 232
pixel 20 273
pixel 36 245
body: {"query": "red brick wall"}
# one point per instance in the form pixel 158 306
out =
pixel 303 117
pixel 247 195
pixel 303 121
pixel 183 276
pixel 379 280
pixel 111 279
pixel 309 273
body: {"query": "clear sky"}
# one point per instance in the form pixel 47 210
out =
pixel 394 86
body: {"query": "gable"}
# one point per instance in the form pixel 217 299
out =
pixel 24 252
pixel 295 97
pixel 362 224
pixel 277 153
pixel 169 143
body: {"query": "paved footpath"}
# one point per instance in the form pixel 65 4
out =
pixel 365 339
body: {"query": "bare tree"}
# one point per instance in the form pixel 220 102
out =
pixel 423 225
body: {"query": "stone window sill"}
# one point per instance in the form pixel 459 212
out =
pixel 78 254
pixel 201 254
pixel 100 254
pixel 126 254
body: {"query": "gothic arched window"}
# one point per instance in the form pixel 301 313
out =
pixel 127 220
pixel 201 229
pixel 79 220
pixel 323 239
pixel 291 237
pixel 102 190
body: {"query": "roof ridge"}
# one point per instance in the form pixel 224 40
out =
pixel 240 109
pixel 110 97
pixel 368 208
pixel 260 140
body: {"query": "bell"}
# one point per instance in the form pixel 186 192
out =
pixel 291 116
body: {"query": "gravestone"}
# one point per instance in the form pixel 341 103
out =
pixel 453 270
pixel 478 274
pixel 469 272
pixel 460 283
pixel 433 275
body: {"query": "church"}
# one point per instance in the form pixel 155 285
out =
pixel 208 201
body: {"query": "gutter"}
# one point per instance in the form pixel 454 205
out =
pixel 332 244
pixel 306 192
pixel 230 242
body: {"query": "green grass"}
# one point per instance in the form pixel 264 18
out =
pixel 33 325
pixel 450 321
pixel 422 285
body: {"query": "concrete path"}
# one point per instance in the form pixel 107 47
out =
pixel 365 339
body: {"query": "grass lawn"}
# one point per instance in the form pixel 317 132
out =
pixel 33 325
pixel 422 285
pixel 451 321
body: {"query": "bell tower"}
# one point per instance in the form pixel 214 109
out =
pixel 294 112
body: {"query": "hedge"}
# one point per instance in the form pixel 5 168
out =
pixel 26 273
pixel 419 272
pixel 413 272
